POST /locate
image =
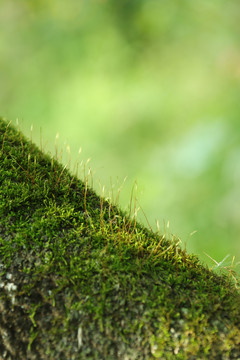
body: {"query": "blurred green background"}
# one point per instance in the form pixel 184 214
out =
pixel 150 89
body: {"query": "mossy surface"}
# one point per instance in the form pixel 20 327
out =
pixel 81 279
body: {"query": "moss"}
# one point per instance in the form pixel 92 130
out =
pixel 81 279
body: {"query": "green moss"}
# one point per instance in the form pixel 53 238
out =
pixel 81 279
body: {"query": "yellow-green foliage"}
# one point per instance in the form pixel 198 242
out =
pixel 81 279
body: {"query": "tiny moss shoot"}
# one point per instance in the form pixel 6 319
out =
pixel 82 279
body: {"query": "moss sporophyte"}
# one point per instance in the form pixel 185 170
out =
pixel 82 279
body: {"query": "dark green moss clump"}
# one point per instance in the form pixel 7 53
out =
pixel 79 279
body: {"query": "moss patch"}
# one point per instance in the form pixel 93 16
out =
pixel 81 279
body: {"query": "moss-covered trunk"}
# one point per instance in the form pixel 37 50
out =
pixel 80 279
